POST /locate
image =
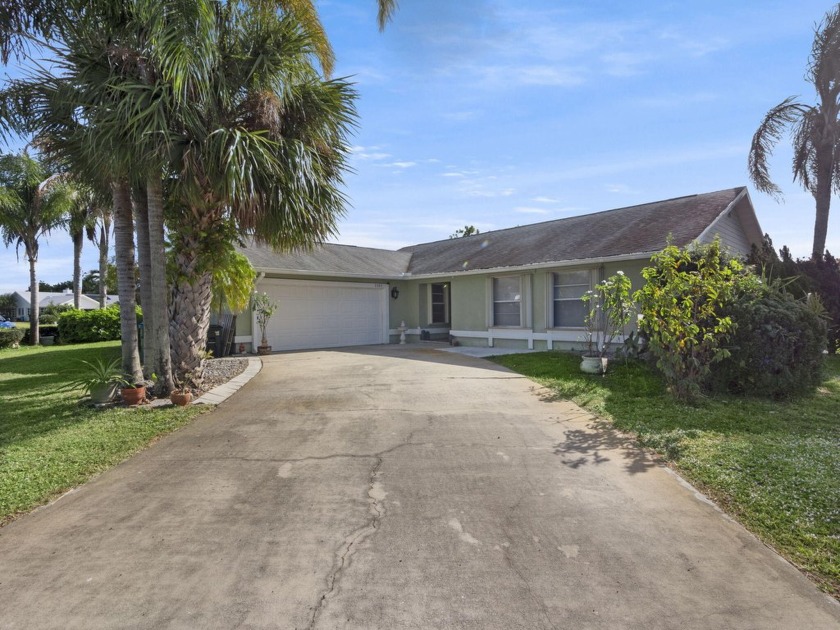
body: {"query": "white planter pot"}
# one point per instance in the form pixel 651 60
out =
pixel 593 365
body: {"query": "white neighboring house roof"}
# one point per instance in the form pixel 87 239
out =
pixel 47 298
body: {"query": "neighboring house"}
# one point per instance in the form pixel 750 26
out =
pixel 45 298
pixel 515 287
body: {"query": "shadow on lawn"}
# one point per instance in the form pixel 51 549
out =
pixel 634 398
pixel 30 389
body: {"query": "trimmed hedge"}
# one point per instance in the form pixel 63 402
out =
pixel 10 336
pixel 79 326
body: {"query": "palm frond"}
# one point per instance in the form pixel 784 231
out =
pixel 765 138
pixel 386 11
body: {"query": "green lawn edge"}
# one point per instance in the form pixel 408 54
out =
pixel 52 440
pixel 772 465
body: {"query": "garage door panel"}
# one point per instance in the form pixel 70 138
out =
pixel 326 314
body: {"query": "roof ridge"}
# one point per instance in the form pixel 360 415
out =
pixel 577 216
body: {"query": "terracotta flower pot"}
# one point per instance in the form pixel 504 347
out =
pixel 263 349
pixel 182 399
pixel 133 395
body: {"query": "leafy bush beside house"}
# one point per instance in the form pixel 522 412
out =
pixel 701 308
pixel 776 346
pixel 682 313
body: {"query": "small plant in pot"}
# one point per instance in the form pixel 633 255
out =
pixel 132 393
pixel 99 379
pixel 264 307
pixel 609 310
pixel 183 393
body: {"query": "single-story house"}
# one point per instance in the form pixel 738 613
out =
pixel 517 287
pixel 45 298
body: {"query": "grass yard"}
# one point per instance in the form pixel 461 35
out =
pixel 775 466
pixel 51 441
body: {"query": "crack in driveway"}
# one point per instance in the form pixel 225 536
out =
pixel 376 512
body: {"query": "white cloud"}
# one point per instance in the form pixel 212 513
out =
pixel 622 189
pixel 530 210
pixel 402 164
pixel 545 200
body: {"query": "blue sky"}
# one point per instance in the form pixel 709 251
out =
pixel 503 113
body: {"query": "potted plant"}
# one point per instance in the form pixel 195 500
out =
pixel 609 310
pixel 182 394
pixel 264 307
pixel 131 392
pixel 99 379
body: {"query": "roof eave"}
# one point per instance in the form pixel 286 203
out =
pixel 330 274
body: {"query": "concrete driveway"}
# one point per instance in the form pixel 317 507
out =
pixel 393 487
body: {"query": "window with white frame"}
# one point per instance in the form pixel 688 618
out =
pixel 507 301
pixel 439 304
pixel 568 287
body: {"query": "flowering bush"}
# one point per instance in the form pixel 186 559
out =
pixel 609 310
pixel 264 307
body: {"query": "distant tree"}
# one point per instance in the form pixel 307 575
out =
pixel 8 305
pixel 467 230
pixel 91 281
pixel 815 131
pixel 33 202
pixel 58 287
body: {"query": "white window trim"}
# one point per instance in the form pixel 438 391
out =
pixel 446 299
pixel 549 295
pixel 525 310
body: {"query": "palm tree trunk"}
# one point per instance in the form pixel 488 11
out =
pixel 161 361
pixel 822 196
pixel 78 242
pixel 104 242
pixel 190 310
pixel 144 263
pixel 34 300
pixel 124 254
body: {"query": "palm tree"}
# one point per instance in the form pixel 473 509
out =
pixel 815 131
pixel 32 203
pixel 261 154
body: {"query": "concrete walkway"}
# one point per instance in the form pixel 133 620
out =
pixel 393 487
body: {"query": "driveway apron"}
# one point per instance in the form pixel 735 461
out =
pixel 394 487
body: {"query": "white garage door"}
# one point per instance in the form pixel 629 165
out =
pixel 325 314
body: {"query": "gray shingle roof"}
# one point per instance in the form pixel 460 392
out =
pixel 639 229
pixel 330 259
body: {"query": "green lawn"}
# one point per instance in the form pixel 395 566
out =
pixel 51 441
pixel 775 466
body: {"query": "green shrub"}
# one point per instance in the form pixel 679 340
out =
pixel 777 346
pixel 10 336
pixel 87 326
pixel 681 304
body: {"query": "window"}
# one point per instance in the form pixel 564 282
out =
pixel 507 301
pixel 568 288
pixel 440 310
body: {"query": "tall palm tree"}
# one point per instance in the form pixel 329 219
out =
pixel 261 154
pixel 32 203
pixel 815 131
